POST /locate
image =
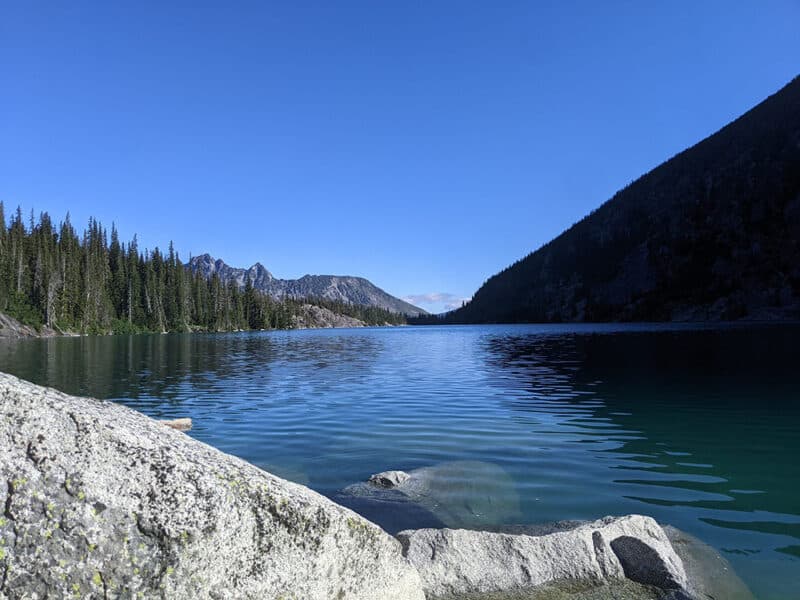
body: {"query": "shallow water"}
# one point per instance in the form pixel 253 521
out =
pixel 695 426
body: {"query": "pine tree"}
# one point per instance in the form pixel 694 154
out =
pixel 89 284
pixel 5 260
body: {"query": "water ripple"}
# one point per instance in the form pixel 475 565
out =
pixel 696 426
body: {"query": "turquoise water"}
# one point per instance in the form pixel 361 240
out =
pixel 695 426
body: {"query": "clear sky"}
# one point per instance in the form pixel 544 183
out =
pixel 423 145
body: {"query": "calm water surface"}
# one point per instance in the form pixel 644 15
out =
pixel 695 426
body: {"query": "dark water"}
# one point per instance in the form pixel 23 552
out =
pixel 695 426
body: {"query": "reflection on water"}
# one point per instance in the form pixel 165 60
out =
pixel 697 427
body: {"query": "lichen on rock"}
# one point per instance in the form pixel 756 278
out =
pixel 101 501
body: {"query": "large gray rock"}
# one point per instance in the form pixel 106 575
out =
pixel 101 501
pixel 456 563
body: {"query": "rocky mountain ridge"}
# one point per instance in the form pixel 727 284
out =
pixel 338 288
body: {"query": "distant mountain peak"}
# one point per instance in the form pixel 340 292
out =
pixel 202 258
pixel 339 288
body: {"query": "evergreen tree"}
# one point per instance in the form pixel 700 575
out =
pixel 90 284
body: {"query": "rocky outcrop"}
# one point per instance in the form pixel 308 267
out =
pixel 319 317
pixel 101 501
pixel 419 498
pixel 458 563
pixel 11 328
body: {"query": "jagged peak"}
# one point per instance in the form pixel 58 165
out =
pixel 207 258
pixel 260 269
pixel 346 288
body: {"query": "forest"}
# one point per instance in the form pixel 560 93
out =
pixel 52 276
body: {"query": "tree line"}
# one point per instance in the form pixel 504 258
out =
pixel 93 283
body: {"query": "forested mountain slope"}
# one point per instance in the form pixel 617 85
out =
pixel 54 279
pixel 713 233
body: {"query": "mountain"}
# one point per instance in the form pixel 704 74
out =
pixel 207 266
pixel 346 289
pixel 713 233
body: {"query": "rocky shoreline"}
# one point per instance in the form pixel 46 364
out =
pixel 104 502
pixel 311 316
pixel 10 328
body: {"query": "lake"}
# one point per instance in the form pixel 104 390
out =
pixel 694 425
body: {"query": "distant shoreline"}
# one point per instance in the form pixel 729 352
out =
pixel 12 329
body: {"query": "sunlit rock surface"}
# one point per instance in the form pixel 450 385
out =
pixel 101 501
pixel 454 562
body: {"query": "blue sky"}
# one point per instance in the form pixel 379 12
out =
pixel 423 145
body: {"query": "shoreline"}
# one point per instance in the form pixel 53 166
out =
pixel 12 329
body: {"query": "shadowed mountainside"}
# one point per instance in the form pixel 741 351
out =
pixel 711 234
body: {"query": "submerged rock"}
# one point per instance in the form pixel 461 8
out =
pixel 458 493
pixel 461 563
pixel 392 516
pixel 101 501
pixel 389 479
pixel 709 574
